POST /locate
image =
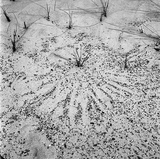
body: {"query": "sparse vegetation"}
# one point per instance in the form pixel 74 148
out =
pixel 75 86
pixel 101 17
pixel 79 60
pixel 150 34
pixel 47 9
pixel 70 16
pixel 14 40
pixel 70 22
pixel 25 26
pixel 15 37
pixel 6 15
pixel 104 8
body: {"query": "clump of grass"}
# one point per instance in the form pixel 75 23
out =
pixel 14 40
pixel 47 9
pixel 101 9
pixel 79 60
pixel 15 37
pixel 70 20
pixel 6 15
pixel 25 25
pixel 105 6
pixel 101 17
pixel 16 34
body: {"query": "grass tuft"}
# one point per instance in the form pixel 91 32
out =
pixel 47 9
pixel 6 15
pixel 70 15
pixel 79 60
pixel 25 26
pixel 15 37
pixel 14 40
pixel 105 6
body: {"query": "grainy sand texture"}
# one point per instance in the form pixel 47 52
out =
pixel 80 79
